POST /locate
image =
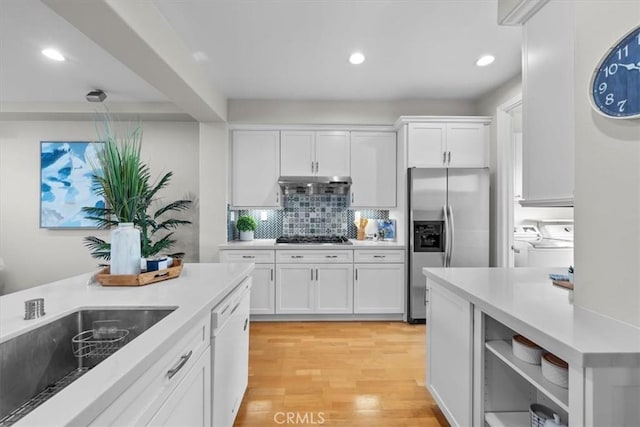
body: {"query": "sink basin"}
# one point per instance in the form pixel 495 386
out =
pixel 41 362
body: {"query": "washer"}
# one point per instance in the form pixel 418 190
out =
pixel 547 244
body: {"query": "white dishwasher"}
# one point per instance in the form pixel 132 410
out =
pixel 230 355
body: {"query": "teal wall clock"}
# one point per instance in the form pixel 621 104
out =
pixel 615 84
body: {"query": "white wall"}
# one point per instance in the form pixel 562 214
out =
pixel 486 105
pixel 607 172
pixel 34 256
pixel 340 112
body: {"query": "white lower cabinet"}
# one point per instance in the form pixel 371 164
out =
pixel 449 354
pixel 314 288
pixel 263 291
pixel 190 402
pixel 379 281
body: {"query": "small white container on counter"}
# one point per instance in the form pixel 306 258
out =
pixel 555 370
pixel 526 350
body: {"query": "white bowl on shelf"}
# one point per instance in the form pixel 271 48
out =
pixel 555 370
pixel 526 350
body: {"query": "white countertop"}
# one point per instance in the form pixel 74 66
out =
pixel 199 288
pixel 271 244
pixel 525 300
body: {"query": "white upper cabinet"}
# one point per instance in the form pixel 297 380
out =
pixel 255 168
pixel 548 107
pixel 373 169
pixel 321 153
pixel 435 144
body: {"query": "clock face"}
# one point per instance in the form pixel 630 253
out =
pixel 615 85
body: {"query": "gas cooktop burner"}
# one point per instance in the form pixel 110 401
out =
pixel 337 240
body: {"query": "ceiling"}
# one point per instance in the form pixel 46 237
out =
pixel 275 49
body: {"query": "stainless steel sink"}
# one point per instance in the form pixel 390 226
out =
pixel 39 363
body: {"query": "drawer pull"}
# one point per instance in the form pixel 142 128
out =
pixel 331 256
pixel 248 256
pixel 236 307
pixel 224 310
pixel 246 323
pixel 297 256
pixel 185 357
pixel 379 256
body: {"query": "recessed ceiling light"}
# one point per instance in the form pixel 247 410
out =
pixel 53 54
pixel 356 58
pixel 485 60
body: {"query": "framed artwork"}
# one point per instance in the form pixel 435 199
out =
pixel 65 183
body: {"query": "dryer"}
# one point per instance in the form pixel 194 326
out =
pixel 549 243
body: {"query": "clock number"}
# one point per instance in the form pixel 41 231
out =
pixel 621 105
pixel 602 88
pixel 611 70
pixel 609 99
pixel 625 49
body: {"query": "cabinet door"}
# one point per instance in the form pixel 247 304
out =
pixel 373 169
pixel 297 153
pixel 378 288
pixel 450 353
pixel 263 290
pixel 467 145
pixel 548 106
pixel 334 288
pixel 426 145
pixel 294 291
pixel 255 168
pixel 189 404
pixel 332 153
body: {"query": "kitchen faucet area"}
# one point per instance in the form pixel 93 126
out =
pixel 341 213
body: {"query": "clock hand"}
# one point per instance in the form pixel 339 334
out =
pixel 631 66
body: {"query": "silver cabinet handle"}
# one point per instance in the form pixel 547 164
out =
pixel 444 157
pixel 272 274
pixel 311 273
pixel 356 274
pixel 352 197
pixel 297 256
pixel 235 308
pixel 379 256
pixel 317 167
pixel 277 197
pixel 331 256
pixel 312 167
pixel 223 310
pixel 185 357
pixel 246 323
pixel 248 256
pixel 449 157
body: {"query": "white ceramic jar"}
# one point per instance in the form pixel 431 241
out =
pixel 125 249
pixel 555 370
pixel 526 350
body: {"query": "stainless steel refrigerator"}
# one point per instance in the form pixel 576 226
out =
pixel 448 226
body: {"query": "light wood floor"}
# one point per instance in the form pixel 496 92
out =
pixel 337 374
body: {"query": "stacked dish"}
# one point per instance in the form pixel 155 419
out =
pixel 555 370
pixel 526 350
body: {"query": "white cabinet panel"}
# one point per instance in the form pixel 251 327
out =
pixel 548 106
pixel 313 256
pixel 450 353
pixel 373 169
pixel 294 289
pixel 320 153
pixel 334 288
pixel 263 291
pixel 379 288
pixel 467 145
pixel 426 146
pixel 379 255
pixel 255 168
pixel 190 403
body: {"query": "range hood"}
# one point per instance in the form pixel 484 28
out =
pixel 315 184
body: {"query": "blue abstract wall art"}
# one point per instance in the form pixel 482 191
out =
pixel 65 183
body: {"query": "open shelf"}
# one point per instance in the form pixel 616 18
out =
pixel 507 419
pixel 531 373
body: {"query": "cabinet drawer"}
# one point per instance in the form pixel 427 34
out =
pixel 379 256
pixel 297 256
pixel 257 256
pixel 221 312
pixel 144 397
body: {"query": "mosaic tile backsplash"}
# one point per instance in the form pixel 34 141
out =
pixel 305 215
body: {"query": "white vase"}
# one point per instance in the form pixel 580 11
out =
pixel 125 249
pixel 246 235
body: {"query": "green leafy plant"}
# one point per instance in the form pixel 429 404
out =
pixel 124 180
pixel 246 223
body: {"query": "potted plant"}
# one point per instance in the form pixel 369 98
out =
pixel 246 225
pixel 125 182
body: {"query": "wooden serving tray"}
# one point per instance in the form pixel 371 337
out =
pixel 563 284
pixel 106 279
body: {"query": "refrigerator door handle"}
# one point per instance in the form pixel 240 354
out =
pixel 447 236
pixel 452 234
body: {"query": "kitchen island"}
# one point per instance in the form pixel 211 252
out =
pixel 111 388
pixel 473 313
